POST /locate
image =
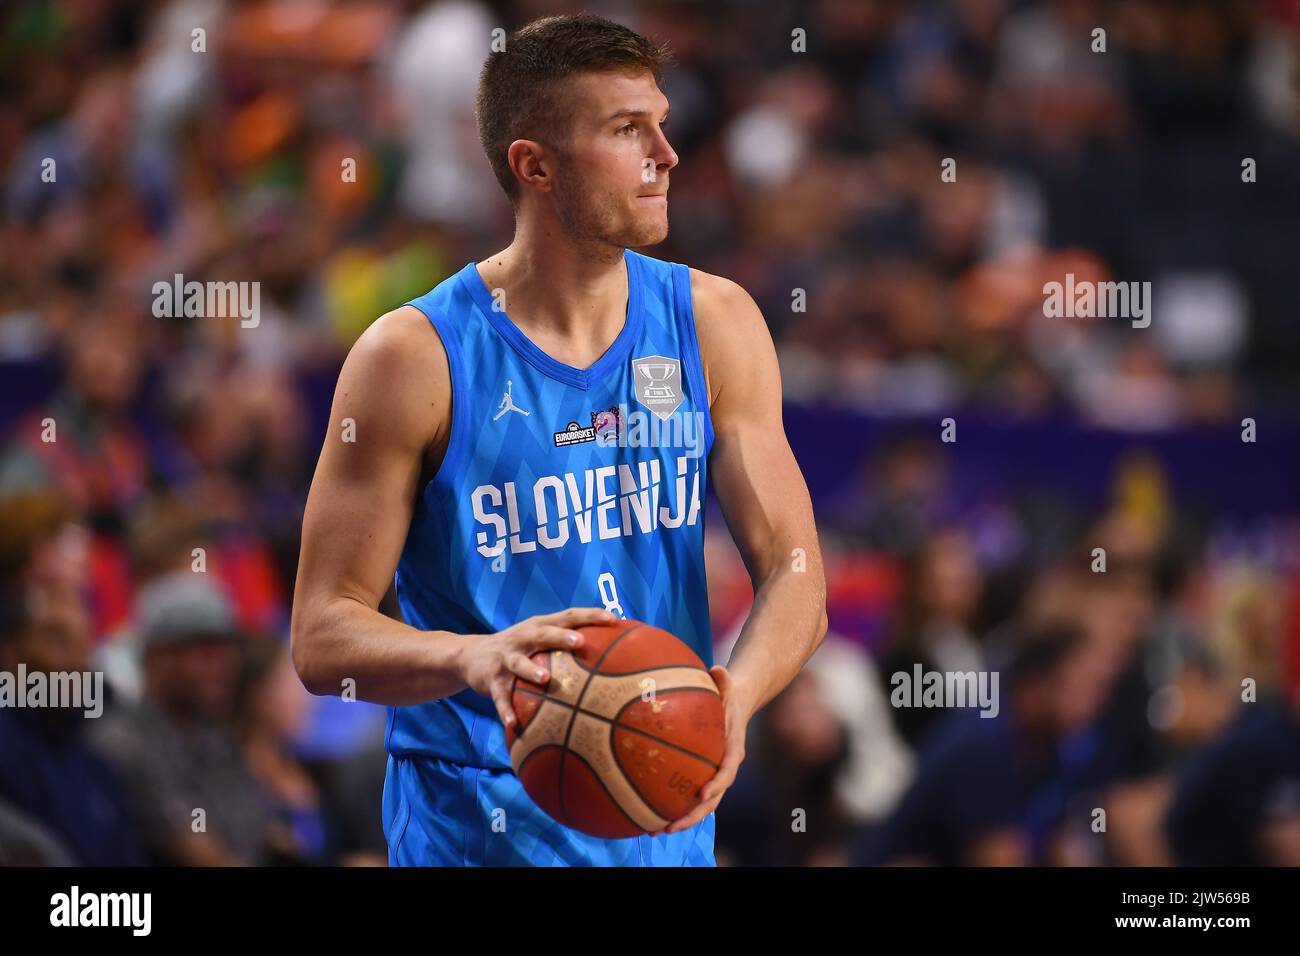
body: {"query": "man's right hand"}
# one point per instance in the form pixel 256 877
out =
pixel 489 663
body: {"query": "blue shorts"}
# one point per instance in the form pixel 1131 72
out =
pixel 438 813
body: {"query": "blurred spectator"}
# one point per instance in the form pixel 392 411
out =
pixel 324 812
pixel 978 797
pixel 191 788
pixel 1238 804
pixel 1237 801
pixel 435 69
pixel 937 616
pixel 823 762
pixel 24 842
pixel 83 443
pixel 789 816
pixel 47 769
pixel 270 711
pixel 356 783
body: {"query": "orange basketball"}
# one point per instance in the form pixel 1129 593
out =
pixel 623 736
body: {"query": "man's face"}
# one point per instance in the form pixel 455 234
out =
pixel 197 678
pixel 611 180
pixel 51 648
pixel 57 636
pixel 104 365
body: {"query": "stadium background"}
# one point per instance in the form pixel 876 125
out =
pixel 922 300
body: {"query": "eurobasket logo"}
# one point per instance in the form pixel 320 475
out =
pixel 608 423
pixel 603 424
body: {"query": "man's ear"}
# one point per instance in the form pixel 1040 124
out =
pixel 531 163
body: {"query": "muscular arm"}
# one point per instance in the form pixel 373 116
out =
pixel 766 504
pixel 395 386
pixel 761 491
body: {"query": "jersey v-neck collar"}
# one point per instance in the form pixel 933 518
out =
pixel 580 377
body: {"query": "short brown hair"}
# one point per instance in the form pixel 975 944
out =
pixel 518 88
pixel 28 520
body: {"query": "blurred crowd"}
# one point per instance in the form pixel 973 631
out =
pixel 1147 714
pixel 328 151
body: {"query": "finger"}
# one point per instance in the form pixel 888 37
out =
pixel 721 781
pixel 732 758
pixel 525 668
pixel 551 636
pixel 694 817
pixel 725 773
pixel 502 701
pixel 705 804
pixel 578 616
pixel 722 678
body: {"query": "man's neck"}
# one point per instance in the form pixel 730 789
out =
pixel 558 292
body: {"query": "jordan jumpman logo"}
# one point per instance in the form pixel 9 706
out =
pixel 508 403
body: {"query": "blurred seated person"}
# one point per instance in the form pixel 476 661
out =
pixel 271 712
pixel 48 772
pixel 193 795
pixel 1238 803
pixel 825 762
pixel 942 588
pixel 84 443
pixel 980 780
pixel 24 842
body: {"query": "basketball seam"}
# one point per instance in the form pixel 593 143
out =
pixel 568 731
pixel 661 667
pixel 618 725
pixel 619 763
pixel 601 783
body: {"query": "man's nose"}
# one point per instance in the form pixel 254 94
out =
pixel 663 154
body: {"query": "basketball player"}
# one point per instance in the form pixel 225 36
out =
pixel 524 450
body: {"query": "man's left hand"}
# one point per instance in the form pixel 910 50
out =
pixel 737 713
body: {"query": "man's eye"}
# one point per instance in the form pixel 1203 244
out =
pixel 626 127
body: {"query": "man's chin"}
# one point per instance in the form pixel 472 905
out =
pixel 647 235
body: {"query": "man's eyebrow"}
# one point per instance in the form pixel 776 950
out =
pixel 617 114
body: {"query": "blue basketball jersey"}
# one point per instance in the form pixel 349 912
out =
pixel 559 487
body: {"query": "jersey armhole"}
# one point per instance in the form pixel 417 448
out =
pixel 453 457
pixel 685 313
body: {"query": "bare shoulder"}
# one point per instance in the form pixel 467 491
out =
pixel 397 374
pixel 734 337
pixel 400 340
